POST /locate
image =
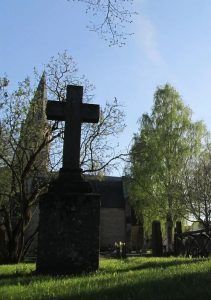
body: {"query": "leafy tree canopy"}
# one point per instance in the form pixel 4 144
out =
pixel 166 139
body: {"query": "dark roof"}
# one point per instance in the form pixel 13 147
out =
pixel 111 191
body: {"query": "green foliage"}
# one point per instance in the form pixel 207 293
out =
pixel 167 138
pixel 197 185
pixel 133 278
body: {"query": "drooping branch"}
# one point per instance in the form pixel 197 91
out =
pixel 110 19
pixel 121 156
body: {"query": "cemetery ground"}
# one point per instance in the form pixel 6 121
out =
pixel 131 278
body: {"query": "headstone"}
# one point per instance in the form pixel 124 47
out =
pixel 178 245
pixel 3 246
pixel 169 232
pixel 157 244
pixel 68 238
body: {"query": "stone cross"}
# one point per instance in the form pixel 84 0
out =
pixel 73 112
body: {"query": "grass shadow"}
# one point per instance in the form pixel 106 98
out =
pixel 154 265
pixel 19 277
pixel 191 284
pixel 195 286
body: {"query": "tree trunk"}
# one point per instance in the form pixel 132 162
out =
pixel 12 251
pixel 15 248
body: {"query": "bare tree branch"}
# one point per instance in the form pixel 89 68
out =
pixel 110 19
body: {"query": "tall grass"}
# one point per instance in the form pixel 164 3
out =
pixel 132 278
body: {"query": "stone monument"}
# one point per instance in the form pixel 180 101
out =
pixel 68 238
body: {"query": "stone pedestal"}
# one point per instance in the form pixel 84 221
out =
pixel 68 238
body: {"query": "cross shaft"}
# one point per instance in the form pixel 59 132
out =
pixel 73 112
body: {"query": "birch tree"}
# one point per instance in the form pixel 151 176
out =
pixel 159 154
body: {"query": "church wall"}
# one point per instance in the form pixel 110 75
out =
pixel 115 222
pixel 136 238
pixel 112 226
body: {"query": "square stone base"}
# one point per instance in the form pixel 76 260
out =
pixel 68 238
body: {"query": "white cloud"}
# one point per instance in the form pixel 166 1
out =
pixel 147 37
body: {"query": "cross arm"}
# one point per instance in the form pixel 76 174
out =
pixel 90 113
pixel 55 110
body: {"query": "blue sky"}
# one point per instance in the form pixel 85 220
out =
pixel 171 43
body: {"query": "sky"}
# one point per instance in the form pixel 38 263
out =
pixel 171 42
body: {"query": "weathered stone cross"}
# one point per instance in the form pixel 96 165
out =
pixel 73 112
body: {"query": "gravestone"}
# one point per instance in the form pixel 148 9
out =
pixel 68 237
pixel 178 245
pixel 157 243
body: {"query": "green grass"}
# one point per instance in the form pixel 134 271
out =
pixel 133 278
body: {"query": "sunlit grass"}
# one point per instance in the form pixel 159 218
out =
pixel 133 278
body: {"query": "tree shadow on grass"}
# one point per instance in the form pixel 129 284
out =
pixel 26 278
pixel 15 275
pixel 138 285
pixel 154 265
pixel 190 286
pixel 20 278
